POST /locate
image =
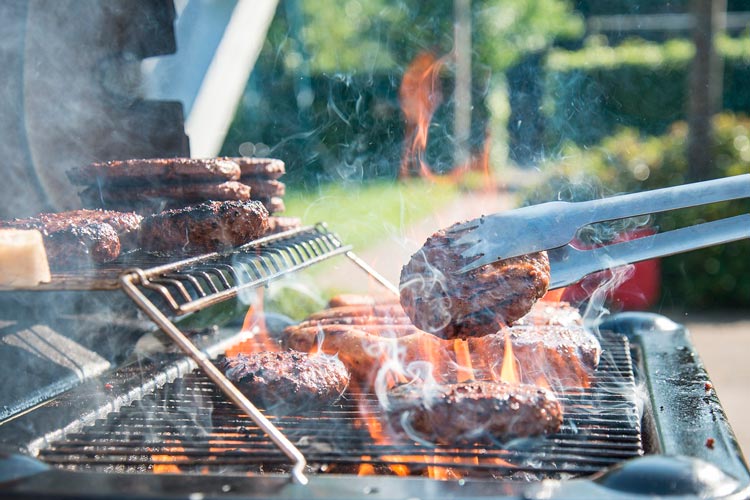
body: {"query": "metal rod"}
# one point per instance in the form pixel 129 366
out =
pixel 217 377
pixel 372 272
pixel 215 298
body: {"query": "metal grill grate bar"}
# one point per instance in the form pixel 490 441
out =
pixel 190 425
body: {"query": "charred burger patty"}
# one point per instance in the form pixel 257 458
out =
pixel 474 411
pixel 287 380
pixel 440 300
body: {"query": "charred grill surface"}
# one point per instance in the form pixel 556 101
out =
pixel 290 381
pixel 188 426
pixel 206 227
pixel 441 301
pixel 474 412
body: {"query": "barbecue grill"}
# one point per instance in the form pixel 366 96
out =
pixel 157 425
pixel 84 417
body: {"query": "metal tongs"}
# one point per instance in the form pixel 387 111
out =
pixel 552 227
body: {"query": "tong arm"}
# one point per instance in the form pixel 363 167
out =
pixel 551 225
pixel 664 199
pixel 568 264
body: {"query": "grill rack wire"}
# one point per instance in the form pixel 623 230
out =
pixel 193 284
pixel 189 426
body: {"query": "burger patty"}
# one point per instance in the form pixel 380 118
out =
pixel 280 224
pixel 155 171
pixel 265 188
pixel 365 335
pixel 144 197
pixel 449 304
pixel 287 380
pixel 81 246
pixel 207 227
pixel 78 238
pixel 563 356
pixel 473 412
pixel 259 168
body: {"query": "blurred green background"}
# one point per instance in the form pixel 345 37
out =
pixel 585 98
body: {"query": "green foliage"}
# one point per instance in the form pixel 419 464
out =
pixel 358 35
pixel 323 94
pixel 594 91
pixel 717 277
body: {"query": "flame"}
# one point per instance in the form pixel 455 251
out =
pixel 509 371
pixel 162 461
pixel 365 468
pixel 255 322
pixel 465 370
pixel 420 95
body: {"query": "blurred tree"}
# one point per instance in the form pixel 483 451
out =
pixel 353 53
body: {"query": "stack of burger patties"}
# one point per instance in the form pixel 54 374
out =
pixel 148 186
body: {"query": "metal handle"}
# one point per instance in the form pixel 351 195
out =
pixel 569 265
pixel 662 200
pixel 218 378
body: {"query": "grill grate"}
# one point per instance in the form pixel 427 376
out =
pixel 188 426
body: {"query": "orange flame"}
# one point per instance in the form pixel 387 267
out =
pixel 509 370
pixel 465 370
pixel 255 321
pixel 163 462
pixel 420 95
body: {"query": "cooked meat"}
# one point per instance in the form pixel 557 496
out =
pixel 78 238
pixel 351 299
pixel 385 311
pixel 551 314
pixel 260 168
pixel 186 193
pixel 451 305
pixel 474 412
pixel 81 246
pixel 365 335
pixel 265 189
pixel 126 224
pixel 206 227
pixel 274 204
pixel 288 380
pixel 364 353
pixel 562 356
pixel 367 323
pixel 281 224
pixel 155 171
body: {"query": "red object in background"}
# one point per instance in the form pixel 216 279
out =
pixel 639 291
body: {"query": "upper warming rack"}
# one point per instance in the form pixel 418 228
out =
pixel 194 284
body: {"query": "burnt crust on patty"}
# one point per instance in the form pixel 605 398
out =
pixel 470 412
pixel 260 168
pixel 203 228
pixel 188 192
pixel 155 171
pixel 288 379
pixel 449 304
